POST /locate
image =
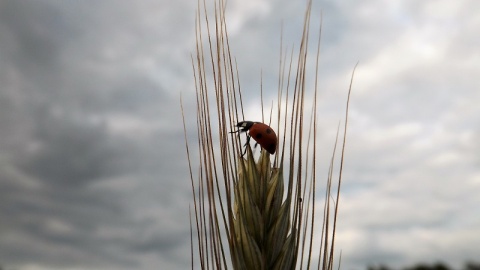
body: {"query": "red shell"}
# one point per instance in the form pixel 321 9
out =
pixel 264 135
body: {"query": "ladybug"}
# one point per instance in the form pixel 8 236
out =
pixel 261 133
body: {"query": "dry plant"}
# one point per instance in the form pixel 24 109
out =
pixel 242 215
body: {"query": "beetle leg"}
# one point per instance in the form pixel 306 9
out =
pixel 248 140
pixel 245 145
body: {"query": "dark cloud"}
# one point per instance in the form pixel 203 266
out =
pixel 93 169
pixel 87 153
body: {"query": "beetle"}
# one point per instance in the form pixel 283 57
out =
pixel 262 133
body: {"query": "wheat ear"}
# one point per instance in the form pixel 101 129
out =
pixel 262 218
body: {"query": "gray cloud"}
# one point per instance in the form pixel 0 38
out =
pixel 83 129
pixel 92 163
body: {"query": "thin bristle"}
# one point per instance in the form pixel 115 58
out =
pixel 244 215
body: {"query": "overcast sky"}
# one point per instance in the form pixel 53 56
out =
pixel 93 173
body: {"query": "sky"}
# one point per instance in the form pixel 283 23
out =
pixel 93 170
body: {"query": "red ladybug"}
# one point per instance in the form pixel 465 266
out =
pixel 261 133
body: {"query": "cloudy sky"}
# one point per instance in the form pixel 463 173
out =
pixel 93 173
